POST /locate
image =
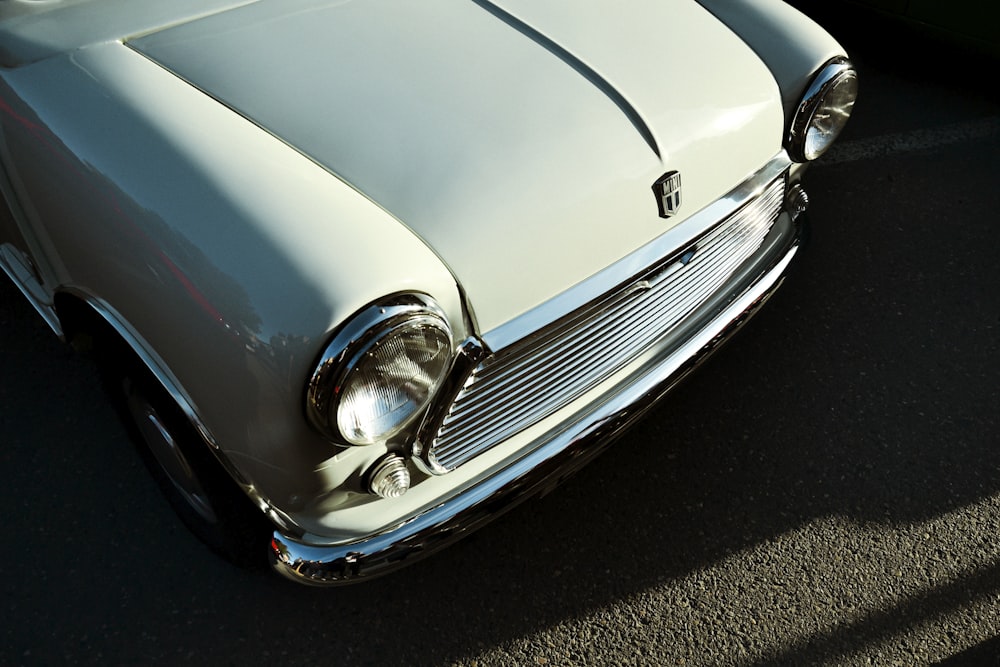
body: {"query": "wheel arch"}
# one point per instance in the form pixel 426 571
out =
pixel 94 327
pixel 83 315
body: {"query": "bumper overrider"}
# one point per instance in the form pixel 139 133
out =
pixel 569 446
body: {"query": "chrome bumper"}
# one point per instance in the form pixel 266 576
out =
pixel 547 465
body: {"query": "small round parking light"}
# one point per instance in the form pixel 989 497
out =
pixel 389 478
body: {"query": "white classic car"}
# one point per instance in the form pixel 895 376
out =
pixel 364 274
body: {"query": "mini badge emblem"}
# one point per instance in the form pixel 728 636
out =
pixel 667 189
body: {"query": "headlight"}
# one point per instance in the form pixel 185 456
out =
pixel 380 371
pixel 824 110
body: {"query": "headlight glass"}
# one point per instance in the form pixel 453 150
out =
pixel 824 111
pixel 380 371
pixel 392 380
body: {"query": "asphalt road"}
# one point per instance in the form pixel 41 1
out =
pixel 826 490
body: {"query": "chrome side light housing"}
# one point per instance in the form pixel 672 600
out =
pixel 823 111
pixel 380 371
pixel 389 478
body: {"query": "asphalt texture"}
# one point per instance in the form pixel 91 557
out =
pixel 825 491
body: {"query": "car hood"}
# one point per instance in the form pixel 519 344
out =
pixel 520 140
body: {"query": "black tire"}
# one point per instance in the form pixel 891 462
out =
pixel 200 491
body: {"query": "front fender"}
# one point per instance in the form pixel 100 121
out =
pixel 227 256
pixel 792 45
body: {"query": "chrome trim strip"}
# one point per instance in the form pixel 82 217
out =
pixel 23 278
pixel 551 367
pixel 544 467
pixel 469 355
pixel 673 242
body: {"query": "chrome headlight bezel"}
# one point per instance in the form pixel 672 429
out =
pixel 823 111
pixel 357 344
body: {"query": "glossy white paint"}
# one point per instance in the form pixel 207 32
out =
pixel 32 30
pixel 231 256
pixel 510 148
pixel 782 37
pixel 520 172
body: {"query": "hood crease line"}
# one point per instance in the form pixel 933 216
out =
pixel 580 67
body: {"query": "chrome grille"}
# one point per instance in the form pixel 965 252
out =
pixel 544 371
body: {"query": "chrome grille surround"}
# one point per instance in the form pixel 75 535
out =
pixel 533 376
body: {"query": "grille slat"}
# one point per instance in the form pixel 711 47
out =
pixel 530 379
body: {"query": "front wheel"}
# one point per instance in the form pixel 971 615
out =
pixel 165 448
pixel 193 481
